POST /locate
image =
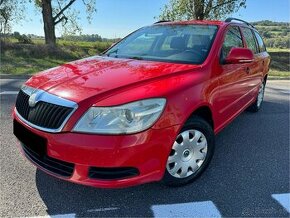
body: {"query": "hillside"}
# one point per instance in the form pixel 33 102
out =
pixel 275 34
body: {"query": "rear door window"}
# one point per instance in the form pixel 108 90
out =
pixel 233 39
pixel 250 39
pixel 261 44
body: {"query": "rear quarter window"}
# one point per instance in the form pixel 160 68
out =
pixel 261 44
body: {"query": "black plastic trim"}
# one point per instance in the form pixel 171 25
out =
pixel 34 148
pixel 112 173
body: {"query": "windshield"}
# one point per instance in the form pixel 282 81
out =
pixel 168 43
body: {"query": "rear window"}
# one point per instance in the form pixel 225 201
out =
pixel 250 39
pixel 261 44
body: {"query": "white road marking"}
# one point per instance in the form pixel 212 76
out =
pixel 194 209
pixel 103 209
pixel 283 199
pixel 286 92
pixel 9 93
pixel 69 215
pixel 73 215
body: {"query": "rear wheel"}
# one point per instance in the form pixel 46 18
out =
pixel 191 152
pixel 256 106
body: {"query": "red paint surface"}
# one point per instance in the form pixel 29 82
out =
pixel 101 81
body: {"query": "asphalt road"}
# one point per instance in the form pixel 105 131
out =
pixel 250 166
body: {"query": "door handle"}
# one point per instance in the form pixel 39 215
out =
pixel 247 70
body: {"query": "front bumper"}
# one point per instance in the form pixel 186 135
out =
pixel 145 154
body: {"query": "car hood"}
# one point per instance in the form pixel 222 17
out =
pixel 86 78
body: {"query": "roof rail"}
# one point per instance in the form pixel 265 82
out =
pixel 162 21
pixel 232 18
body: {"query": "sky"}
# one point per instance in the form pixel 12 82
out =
pixel 118 18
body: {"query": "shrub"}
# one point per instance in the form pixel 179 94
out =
pixel 23 39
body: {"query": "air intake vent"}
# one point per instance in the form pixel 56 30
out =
pixel 112 173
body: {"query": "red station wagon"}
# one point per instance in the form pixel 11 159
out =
pixel 145 110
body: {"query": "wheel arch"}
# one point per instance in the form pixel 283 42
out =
pixel 205 112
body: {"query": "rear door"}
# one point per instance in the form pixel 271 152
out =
pixel 254 70
pixel 263 56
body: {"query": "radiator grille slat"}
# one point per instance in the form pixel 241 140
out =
pixel 65 114
pixel 43 114
pixel 48 112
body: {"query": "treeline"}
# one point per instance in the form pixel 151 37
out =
pixel 270 23
pixel 22 38
pixel 28 39
pixel 275 34
pixel 87 38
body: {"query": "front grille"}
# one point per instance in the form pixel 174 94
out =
pixel 34 147
pixel 112 173
pixel 43 114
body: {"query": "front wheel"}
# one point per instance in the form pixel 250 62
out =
pixel 256 106
pixel 191 152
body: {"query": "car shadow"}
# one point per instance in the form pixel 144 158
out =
pixel 251 163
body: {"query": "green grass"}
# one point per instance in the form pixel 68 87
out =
pixel 280 62
pixel 23 66
pixel 19 59
pixel 278 50
pixel 279 74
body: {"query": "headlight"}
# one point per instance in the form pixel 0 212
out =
pixel 129 118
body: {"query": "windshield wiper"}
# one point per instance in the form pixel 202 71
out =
pixel 136 58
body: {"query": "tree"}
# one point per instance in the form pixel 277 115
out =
pixel 200 9
pixel 10 11
pixel 56 12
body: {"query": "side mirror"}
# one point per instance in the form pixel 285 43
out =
pixel 239 56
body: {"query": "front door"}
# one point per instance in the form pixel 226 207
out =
pixel 232 80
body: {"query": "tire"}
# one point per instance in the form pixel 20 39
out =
pixel 256 106
pixel 191 153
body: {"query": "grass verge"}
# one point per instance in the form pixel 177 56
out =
pixel 280 63
pixel 22 59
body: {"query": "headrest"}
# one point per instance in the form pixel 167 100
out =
pixel 205 40
pixel 177 43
